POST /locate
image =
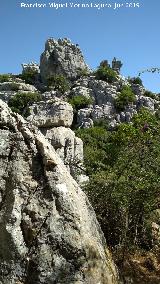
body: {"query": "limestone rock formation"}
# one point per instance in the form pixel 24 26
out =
pixel 61 57
pixel 103 92
pixel 51 113
pixel 7 95
pixel 49 232
pixel 82 91
pixel 54 117
pixel 69 148
pixel 17 86
pixel 144 101
pixel 30 68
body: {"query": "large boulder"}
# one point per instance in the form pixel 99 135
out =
pixel 61 57
pixel 49 232
pixel 51 113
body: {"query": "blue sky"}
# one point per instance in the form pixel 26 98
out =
pixel 130 34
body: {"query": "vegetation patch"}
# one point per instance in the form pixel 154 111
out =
pixel 136 80
pixel 124 98
pixel 58 83
pixel 21 101
pixel 83 72
pixel 150 95
pixel 123 167
pixel 4 78
pixel 106 74
pixel 79 102
pixel 29 76
pixel 14 86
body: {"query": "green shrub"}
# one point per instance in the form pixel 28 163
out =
pixel 123 167
pixel 79 102
pixel 94 139
pixel 83 72
pixel 21 101
pixel 29 76
pixel 124 98
pixel 106 74
pixel 58 83
pixel 14 86
pixel 135 80
pixel 4 78
pixel 150 95
pixel 102 122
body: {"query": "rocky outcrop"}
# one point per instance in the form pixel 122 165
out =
pixel 51 113
pixel 7 95
pixel 103 92
pixel 54 117
pixel 147 102
pixel 82 91
pixel 103 97
pixel 69 148
pixel 17 86
pixel 49 232
pixel 61 57
pixel 32 68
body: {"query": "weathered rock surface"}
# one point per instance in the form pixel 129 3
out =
pixel 15 86
pixel 68 147
pixel 103 92
pixel 82 91
pixel 49 232
pixel 51 113
pixel 138 89
pixel 144 101
pixel 87 116
pixel 103 95
pixel 32 67
pixel 6 95
pixel 61 57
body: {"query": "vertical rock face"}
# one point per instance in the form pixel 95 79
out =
pixel 49 232
pixel 61 57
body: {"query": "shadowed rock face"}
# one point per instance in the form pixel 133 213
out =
pixel 49 232
pixel 61 57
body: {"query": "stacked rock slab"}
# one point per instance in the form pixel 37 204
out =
pixel 49 232
pixel 61 57
pixel 53 118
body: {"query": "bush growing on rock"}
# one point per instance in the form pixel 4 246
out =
pixel 136 80
pixel 4 78
pixel 21 101
pixel 123 167
pixel 14 86
pixel 58 83
pixel 83 72
pixel 79 102
pixel 95 140
pixel 29 76
pixel 105 73
pixel 124 98
pixel 150 95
